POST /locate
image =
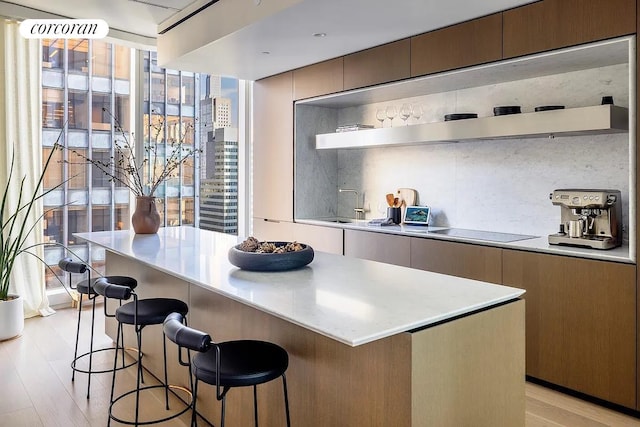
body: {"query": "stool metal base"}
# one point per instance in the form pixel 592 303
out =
pixel 156 421
pixel 75 361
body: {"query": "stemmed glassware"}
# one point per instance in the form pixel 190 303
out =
pixel 381 115
pixel 391 113
pixel 417 112
pixel 405 112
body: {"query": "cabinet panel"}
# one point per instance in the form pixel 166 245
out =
pixel 581 325
pixel 318 79
pixel 325 239
pixel 273 147
pixel 551 24
pixel 474 364
pixel 264 229
pixel 457 259
pixel 637 232
pixel 469 43
pixel 380 64
pixel 374 246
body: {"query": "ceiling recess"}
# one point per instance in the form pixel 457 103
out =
pixel 162 6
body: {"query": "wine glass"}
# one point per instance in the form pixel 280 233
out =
pixel 405 112
pixel 381 116
pixel 391 113
pixel 417 112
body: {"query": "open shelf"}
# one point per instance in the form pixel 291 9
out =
pixel 599 119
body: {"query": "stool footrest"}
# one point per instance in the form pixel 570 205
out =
pixel 156 421
pixel 102 371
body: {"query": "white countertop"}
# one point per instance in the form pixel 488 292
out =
pixel 538 244
pixel 351 300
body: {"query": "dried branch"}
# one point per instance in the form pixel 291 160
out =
pixel 125 169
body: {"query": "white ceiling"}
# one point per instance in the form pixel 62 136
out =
pixel 350 25
pixel 138 17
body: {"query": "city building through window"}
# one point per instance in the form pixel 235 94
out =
pixel 88 83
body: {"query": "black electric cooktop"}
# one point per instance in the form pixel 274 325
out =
pixel 489 236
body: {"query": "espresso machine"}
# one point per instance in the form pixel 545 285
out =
pixel 588 218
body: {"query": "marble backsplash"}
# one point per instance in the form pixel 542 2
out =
pixel 494 185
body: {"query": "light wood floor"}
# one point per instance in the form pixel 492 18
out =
pixel 36 387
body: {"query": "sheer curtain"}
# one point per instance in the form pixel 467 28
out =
pixel 20 134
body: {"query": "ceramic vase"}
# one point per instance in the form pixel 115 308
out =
pixel 11 317
pixel 145 219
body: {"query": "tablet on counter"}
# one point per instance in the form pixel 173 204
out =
pixel 417 215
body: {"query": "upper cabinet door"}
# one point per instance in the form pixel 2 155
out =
pixel 469 43
pixel 318 79
pixel 552 24
pixel 273 147
pixel 381 64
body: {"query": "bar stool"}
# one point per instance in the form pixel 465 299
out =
pixel 228 364
pixel 85 287
pixel 139 313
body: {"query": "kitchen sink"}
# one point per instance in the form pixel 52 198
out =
pixel 340 220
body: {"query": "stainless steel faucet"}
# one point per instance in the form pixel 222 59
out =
pixel 358 211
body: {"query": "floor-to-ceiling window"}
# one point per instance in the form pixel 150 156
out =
pixel 80 80
pixel 88 90
pixel 169 111
pixel 199 111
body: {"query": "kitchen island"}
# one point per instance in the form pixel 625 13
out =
pixel 369 343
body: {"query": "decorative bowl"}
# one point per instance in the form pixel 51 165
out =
pixel 253 261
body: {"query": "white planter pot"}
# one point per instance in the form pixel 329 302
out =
pixel 11 317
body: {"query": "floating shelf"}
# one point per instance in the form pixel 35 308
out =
pixel 599 119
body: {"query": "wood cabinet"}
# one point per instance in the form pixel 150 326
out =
pixel 318 79
pixel 457 259
pixel 325 239
pixel 377 65
pixel 469 43
pixel 552 24
pixel 265 229
pixel 374 246
pixel 273 148
pixel 581 322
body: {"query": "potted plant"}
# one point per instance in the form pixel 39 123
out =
pixel 15 231
pixel 143 177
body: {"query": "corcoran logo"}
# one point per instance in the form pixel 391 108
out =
pixel 64 29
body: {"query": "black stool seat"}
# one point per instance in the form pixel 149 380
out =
pixel 228 364
pixel 242 363
pixel 84 288
pixel 140 313
pixel 151 311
